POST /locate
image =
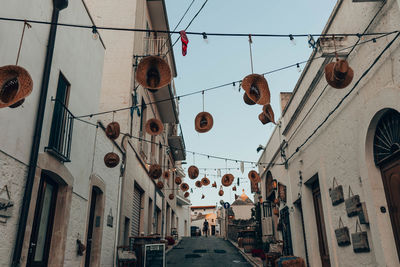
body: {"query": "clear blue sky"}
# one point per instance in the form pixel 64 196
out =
pixel 237 132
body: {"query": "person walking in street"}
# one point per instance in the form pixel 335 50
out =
pixel 205 227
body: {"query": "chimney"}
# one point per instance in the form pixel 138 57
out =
pixel 285 96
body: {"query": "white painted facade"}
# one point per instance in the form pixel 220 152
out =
pixel 158 213
pixel 79 57
pixel 343 147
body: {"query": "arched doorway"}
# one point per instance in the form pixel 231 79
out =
pixel 387 158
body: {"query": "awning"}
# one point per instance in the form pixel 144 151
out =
pixel 177 146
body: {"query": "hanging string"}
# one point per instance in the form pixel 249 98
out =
pixel 26 24
pixel 237 81
pixel 203 100
pixel 251 54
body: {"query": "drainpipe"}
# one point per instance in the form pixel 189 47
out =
pixel 58 5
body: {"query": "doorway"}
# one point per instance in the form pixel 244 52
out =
pixel 391 183
pixel 42 228
pixel 319 218
pixel 94 221
pixel 286 234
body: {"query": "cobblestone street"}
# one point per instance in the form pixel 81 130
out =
pixel 203 251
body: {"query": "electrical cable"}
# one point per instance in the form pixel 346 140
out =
pixel 191 33
pixel 342 100
pixel 348 54
pixel 230 83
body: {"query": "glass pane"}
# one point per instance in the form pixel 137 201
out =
pixel 44 221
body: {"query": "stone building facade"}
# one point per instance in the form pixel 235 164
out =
pixel 347 147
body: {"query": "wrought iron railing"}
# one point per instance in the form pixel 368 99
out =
pixel 61 132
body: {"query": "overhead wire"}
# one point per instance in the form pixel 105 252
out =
pixel 344 98
pixel 92 27
pixel 229 83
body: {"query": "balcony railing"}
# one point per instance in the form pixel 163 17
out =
pixel 155 46
pixel 61 132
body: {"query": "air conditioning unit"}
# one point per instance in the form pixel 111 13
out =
pixel 267 226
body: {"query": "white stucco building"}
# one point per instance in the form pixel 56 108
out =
pixel 68 192
pixel 145 209
pixel 358 145
pixel 242 207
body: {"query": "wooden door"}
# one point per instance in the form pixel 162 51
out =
pixel 89 239
pixel 319 217
pixel 42 228
pixel 391 183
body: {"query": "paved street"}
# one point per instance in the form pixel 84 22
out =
pixel 202 251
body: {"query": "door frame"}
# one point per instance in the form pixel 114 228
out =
pixel 35 224
pixel 388 164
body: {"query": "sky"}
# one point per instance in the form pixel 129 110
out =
pixel 237 132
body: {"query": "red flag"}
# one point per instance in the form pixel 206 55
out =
pixel 185 42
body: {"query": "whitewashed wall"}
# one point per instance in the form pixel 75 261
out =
pixel 342 148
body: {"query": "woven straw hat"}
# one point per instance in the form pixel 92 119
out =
pixel 193 172
pixel 247 100
pixel 339 74
pixel 166 174
pixel 160 185
pixel 17 104
pixel 227 179
pixel 186 194
pixel 203 122
pixel 269 113
pixel 153 72
pixel 257 89
pixel 184 187
pixel 178 180
pixel 15 84
pixel 111 160
pixel 221 192
pixel 205 181
pixel 155 171
pixel 202 196
pixel 254 177
pixel 113 130
pixel 171 196
pixel 198 184
pixel 234 188
pixel 214 184
pixel 264 119
pixel 154 127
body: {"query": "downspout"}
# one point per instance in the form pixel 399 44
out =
pixel 57 7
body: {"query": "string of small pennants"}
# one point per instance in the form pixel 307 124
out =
pixel 153 73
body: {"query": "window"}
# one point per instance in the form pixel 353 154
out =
pixel 62 123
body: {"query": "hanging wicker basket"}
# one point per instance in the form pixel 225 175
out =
pixel 154 127
pixel 166 175
pixel 269 113
pixel 202 196
pixel 155 171
pixel 221 192
pixel 113 130
pixel 214 184
pixel 234 188
pixel 178 180
pixel 339 74
pixel 153 72
pixel 111 160
pixel 257 89
pixel 247 100
pixel 227 179
pixel 184 187
pixel 15 84
pixel 205 181
pixel 254 177
pixel 193 172
pixel 203 122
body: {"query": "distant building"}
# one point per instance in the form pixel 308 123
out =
pixel 201 213
pixel 241 207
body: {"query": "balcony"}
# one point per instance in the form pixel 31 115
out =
pixel 61 132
